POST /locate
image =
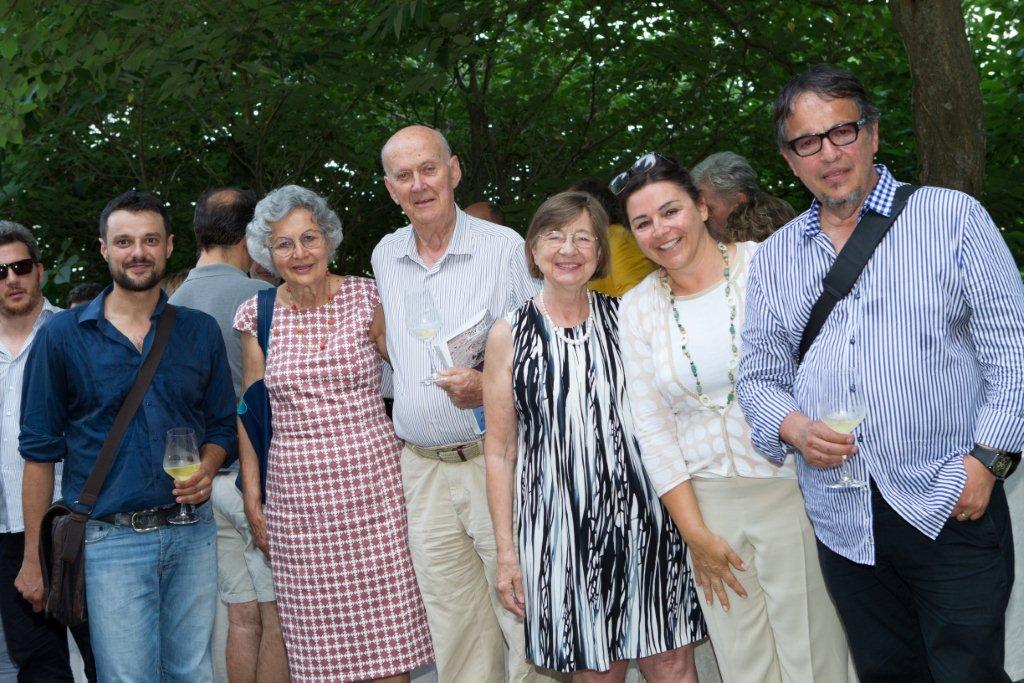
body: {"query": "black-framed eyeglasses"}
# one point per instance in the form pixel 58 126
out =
pixel 840 136
pixel 22 267
pixel 641 165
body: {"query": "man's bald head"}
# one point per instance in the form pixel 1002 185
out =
pixel 421 175
pixel 414 136
pixel 486 211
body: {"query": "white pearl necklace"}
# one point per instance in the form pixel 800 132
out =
pixel 587 324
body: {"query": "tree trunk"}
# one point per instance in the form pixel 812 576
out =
pixel 948 117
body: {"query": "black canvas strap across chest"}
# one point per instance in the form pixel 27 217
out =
pixel 849 264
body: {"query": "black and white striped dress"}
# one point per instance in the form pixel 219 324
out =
pixel 604 568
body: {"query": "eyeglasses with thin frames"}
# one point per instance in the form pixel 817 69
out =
pixel 581 240
pixel 840 135
pixel 22 267
pixel 285 246
pixel 641 165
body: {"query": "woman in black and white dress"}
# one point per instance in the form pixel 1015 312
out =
pixel 600 574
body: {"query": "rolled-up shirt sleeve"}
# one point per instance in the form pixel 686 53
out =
pixel 44 401
pixel 995 294
pixel 654 421
pixel 219 398
pixel 764 386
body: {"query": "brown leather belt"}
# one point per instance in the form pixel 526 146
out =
pixel 456 452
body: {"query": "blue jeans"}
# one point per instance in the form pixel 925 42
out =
pixel 151 598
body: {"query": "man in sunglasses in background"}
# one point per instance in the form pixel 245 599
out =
pixel 36 644
pixel 918 553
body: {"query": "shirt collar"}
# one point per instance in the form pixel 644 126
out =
pixel 460 243
pixel 879 200
pixel 94 309
pixel 45 314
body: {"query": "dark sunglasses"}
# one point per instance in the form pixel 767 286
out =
pixel 22 267
pixel 641 165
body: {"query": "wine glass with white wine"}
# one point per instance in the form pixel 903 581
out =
pixel 842 408
pixel 181 462
pixel 424 322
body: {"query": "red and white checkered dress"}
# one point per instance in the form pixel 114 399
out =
pixel 349 604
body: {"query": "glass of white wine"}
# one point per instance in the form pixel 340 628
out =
pixel 181 461
pixel 842 408
pixel 424 322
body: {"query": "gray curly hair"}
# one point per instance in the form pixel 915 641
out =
pixel 278 204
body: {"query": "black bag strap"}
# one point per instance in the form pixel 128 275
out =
pixel 105 459
pixel 264 316
pixel 849 264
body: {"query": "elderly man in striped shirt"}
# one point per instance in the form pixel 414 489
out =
pixel 918 559
pixel 468 266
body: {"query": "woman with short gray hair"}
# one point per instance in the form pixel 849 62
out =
pixel 334 522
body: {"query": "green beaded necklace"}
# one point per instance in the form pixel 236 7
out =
pixel 731 299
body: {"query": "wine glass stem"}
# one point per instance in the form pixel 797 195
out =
pixel 430 355
pixel 846 475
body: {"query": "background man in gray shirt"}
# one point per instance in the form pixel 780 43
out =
pixel 218 285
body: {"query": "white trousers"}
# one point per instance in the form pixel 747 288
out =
pixel 787 628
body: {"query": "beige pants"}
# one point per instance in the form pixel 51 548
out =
pixel 453 552
pixel 787 628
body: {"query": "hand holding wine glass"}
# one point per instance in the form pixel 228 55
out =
pixel 842 408
pixel 424 322
pixel 181 462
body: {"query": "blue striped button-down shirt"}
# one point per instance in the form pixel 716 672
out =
pixel 933 336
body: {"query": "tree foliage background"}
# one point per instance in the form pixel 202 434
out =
pixel 175 98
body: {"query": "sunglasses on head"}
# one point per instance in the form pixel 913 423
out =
pixel 22 267
pixel 641 165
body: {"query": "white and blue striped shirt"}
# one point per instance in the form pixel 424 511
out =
pixel 12 371
pixel 484 268
pixel 933 334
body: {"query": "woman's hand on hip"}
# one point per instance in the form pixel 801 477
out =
pixel 713 562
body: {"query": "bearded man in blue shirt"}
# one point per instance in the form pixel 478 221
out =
pixel 150 587
pixel 919 558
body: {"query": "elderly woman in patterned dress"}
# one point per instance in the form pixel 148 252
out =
pixel 751 545
pixel 334 525
pixel 601 574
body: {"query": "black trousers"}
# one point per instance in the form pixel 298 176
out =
pixel 39 646
pixel 927 610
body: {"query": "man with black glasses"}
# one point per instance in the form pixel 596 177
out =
pixel 36 644
pixel 915 543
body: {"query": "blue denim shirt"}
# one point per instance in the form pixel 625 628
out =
pixel 79 372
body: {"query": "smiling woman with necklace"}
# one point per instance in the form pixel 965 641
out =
pixel 750 543
pixel 598 569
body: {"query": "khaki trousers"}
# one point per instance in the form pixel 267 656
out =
pixel 451 540
pixel 787 628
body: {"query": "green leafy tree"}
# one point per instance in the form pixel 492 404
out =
pixel 175 98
